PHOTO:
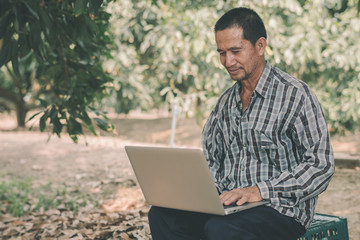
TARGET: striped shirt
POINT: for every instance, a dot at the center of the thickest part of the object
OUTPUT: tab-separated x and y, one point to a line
279	143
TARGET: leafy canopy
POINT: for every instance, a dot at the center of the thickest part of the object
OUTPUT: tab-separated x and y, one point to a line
67	39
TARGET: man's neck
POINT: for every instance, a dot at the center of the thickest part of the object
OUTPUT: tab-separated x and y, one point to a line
248	86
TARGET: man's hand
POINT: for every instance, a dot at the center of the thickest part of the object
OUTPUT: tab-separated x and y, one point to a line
241	196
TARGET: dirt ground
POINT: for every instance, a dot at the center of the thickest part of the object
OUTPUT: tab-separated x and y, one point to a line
101	167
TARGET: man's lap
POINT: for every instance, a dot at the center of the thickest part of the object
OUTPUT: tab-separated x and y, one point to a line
257	223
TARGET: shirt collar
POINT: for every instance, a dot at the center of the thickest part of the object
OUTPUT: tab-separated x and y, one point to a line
262	87
264	83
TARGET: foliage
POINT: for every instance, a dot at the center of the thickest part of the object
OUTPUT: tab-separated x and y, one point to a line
166	53
318	45
18	197
52	54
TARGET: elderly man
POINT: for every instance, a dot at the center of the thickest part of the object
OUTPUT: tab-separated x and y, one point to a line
266	139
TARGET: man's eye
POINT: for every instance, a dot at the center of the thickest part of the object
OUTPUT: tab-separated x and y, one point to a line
222	53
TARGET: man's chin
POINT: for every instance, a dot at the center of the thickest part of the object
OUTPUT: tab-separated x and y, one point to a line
237	77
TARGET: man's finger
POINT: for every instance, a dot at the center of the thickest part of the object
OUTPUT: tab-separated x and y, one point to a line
231	196
241	201
225	198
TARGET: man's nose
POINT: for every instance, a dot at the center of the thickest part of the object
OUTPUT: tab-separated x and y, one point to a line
229	60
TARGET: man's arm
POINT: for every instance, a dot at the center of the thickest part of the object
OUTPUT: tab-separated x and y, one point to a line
316	165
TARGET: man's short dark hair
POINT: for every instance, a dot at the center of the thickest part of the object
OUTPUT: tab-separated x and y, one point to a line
252	25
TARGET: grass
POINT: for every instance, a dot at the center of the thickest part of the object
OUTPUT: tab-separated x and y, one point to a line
14	196
18	197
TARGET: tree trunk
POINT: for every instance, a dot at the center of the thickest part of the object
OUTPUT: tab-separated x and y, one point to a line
20	106
17	99
21	112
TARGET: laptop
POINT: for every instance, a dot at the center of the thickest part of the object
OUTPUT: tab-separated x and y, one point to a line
178	178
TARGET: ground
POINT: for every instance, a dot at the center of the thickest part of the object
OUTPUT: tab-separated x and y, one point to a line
101	169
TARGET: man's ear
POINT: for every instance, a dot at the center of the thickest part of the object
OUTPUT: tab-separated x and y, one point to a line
261	45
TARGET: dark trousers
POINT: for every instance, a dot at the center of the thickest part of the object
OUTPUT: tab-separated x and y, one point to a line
260	223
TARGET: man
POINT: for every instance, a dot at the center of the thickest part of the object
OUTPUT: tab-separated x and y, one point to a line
266	139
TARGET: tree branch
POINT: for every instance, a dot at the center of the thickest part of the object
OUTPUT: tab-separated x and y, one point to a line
66	69
17	84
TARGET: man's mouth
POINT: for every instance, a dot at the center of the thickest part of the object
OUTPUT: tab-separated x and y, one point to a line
234	70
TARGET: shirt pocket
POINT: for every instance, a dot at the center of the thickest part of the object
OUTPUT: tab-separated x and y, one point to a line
266	142
263	148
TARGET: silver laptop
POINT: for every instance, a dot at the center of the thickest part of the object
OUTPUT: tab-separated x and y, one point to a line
178	178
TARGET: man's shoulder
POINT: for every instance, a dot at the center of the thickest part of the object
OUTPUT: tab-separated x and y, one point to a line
291	82
226	96
297	89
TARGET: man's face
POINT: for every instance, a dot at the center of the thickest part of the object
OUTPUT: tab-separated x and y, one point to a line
237	55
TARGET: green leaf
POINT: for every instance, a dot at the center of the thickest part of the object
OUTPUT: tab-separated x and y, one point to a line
74	127
35	38
53	112
74	138
92	129
94	5
80	7
33	116
103	124
15	66
16	20
85	117
24	48
4	55
42	123
45	17
92	25
31	11
43	102
14	57
57	126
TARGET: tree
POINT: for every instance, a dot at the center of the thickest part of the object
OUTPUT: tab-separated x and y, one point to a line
51	55
172	53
